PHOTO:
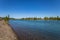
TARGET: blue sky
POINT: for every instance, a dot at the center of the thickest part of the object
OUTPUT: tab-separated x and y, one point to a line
29	8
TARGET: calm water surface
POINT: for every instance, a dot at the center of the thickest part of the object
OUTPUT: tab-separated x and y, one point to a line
36	30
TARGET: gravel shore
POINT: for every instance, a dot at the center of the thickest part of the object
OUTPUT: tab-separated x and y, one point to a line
6	32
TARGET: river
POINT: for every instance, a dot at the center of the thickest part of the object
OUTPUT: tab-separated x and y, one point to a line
36	30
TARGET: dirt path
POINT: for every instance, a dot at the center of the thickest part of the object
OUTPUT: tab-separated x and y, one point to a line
6	33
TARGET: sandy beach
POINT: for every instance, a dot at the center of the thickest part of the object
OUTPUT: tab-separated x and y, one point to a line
6	32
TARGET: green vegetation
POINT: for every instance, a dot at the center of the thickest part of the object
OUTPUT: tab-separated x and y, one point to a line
52	18
31	18
45	18
6	18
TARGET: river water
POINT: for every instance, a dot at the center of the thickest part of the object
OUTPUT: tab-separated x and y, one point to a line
36	30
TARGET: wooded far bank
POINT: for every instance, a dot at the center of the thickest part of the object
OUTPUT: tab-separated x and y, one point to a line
45	18
7	18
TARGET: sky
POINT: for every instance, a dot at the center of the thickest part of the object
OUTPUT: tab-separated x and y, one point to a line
29	8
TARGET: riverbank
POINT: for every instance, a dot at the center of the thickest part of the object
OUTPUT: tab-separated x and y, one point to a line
6	32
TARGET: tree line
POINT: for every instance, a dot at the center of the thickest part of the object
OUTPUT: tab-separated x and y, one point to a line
7	18
45	18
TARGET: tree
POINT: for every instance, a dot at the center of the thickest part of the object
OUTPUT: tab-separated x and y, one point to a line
45	18
6	18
